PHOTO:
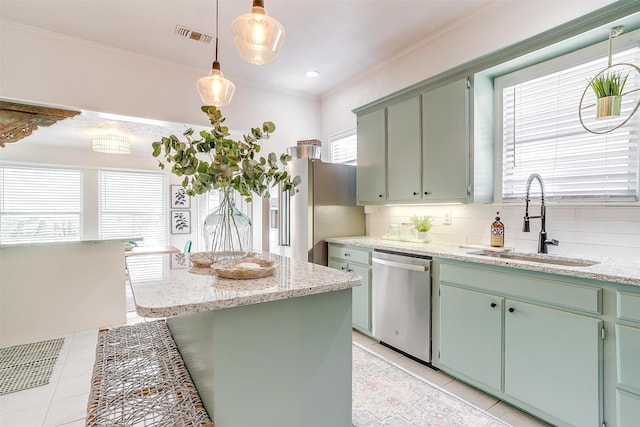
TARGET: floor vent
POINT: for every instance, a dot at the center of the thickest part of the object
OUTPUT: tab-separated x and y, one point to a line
188	33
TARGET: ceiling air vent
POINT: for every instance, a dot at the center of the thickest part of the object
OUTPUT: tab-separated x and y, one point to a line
188	33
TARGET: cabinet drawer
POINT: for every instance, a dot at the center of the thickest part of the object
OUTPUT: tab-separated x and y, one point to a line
629	306
533	287
628	349
347	253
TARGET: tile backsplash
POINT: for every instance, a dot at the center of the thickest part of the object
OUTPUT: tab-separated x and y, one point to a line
611	232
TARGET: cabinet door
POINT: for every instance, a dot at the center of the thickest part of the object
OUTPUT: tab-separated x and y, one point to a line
371	172
445	127
404	150
471	334
553	362
360	295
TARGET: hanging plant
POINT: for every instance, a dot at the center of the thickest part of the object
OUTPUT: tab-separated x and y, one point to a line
609	84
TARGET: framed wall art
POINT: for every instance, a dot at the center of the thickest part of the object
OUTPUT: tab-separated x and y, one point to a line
179	198
180	222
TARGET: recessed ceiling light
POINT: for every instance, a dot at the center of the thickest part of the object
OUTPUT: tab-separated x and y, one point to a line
312	73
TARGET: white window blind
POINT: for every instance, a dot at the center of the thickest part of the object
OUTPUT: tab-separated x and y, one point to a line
344	147
133	205
541	133
40	204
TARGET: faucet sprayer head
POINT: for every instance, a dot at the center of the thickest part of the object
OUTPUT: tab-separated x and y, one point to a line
525	226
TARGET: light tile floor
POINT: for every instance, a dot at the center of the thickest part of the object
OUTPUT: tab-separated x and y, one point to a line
63	401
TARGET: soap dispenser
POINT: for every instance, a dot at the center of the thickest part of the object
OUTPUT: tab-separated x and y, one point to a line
497	233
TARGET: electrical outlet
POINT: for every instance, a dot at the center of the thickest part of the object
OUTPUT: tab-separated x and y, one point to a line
447	218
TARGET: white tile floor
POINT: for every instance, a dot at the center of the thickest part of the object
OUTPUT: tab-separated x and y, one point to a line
63	401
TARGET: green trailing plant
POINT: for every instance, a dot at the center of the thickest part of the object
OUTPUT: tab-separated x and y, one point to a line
609	84
215	161
421	223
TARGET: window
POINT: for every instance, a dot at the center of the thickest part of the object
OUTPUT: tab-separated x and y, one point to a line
344	147
541	131
133	205
40	204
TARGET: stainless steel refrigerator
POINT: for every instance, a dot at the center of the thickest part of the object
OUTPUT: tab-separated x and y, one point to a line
325	206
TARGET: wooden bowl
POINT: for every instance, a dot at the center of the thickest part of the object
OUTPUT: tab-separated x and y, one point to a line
200	259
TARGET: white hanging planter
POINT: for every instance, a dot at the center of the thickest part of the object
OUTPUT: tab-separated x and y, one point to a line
608	107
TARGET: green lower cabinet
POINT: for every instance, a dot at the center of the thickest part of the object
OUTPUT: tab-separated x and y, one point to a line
355	260
628	409
553	362
362	299
628	375
471	334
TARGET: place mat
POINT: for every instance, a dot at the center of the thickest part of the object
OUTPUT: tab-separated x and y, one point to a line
139	379
28	365
386	395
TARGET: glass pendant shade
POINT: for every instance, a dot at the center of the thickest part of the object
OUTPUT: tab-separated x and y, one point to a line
214	89
258	37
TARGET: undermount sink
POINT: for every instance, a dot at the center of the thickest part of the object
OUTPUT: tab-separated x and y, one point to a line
538	258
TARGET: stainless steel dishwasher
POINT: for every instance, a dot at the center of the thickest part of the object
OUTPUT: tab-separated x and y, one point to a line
401	302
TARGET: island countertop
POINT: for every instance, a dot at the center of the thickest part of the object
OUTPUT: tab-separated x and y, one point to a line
181	291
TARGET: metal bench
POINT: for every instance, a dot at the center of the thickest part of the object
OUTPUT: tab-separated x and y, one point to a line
139	379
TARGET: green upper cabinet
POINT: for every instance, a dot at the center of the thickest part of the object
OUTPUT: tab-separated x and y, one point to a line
404	141
445	139
423	139
371	171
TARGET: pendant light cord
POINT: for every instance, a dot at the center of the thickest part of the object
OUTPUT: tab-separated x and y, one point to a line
216	30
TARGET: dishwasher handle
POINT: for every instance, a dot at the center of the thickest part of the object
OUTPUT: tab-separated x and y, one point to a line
402	265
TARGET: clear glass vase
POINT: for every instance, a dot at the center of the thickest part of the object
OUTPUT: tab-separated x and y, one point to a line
227	230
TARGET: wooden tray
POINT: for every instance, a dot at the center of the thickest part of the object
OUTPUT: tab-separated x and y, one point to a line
246	268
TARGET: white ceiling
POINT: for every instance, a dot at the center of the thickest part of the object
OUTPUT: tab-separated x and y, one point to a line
338	38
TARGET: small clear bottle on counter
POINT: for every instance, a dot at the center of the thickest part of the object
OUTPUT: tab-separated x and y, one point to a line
497	233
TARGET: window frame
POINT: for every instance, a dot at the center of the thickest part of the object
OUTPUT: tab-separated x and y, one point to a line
80	212
532	71
344	135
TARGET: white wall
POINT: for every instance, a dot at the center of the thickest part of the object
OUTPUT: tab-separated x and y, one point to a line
500	24
48	68
582	230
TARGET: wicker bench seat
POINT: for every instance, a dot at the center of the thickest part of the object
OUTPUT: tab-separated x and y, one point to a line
139	379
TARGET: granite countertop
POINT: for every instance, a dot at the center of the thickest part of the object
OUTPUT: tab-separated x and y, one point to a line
68	242
184	292
605	270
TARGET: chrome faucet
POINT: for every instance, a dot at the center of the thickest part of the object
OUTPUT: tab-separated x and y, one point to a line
542	241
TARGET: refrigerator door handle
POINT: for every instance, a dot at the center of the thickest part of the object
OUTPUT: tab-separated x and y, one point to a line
284	206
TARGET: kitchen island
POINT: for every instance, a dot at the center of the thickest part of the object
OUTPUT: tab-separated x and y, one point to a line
55	288
274	351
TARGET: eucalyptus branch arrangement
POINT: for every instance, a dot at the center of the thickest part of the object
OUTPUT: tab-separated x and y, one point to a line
215	161
609	84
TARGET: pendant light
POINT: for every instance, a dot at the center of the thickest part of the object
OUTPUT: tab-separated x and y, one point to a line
215	89
257	36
